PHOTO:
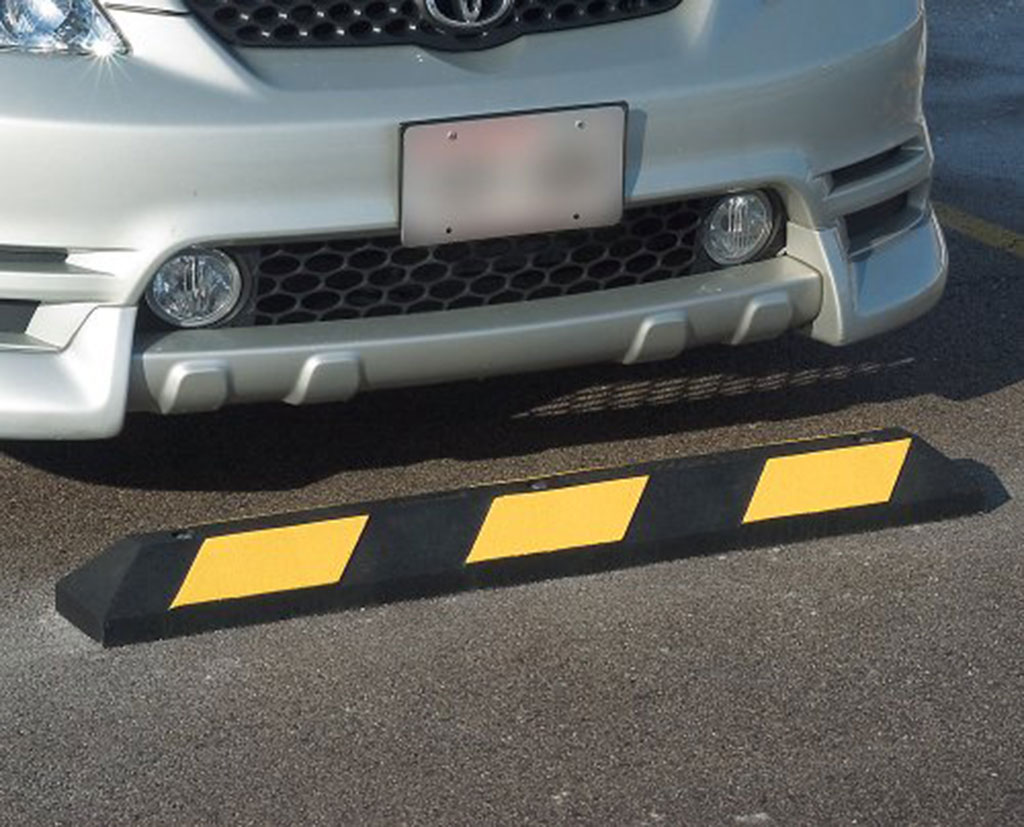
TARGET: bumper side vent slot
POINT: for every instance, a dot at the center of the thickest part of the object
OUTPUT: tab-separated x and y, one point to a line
32	255
15	316
867	168
877	165
867	227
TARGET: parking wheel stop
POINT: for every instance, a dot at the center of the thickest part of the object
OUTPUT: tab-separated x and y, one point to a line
166	584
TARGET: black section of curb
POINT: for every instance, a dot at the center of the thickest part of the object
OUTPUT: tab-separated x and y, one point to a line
416	547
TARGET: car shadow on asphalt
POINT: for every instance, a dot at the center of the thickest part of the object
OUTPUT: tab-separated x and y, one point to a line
972	345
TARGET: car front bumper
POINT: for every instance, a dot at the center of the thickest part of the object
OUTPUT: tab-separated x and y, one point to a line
121	163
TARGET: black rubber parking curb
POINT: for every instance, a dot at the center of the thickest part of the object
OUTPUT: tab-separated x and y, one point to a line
172	583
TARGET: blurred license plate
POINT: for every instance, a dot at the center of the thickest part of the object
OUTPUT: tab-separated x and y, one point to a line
511	175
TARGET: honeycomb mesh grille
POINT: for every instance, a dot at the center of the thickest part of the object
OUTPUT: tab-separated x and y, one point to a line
314	23
376	276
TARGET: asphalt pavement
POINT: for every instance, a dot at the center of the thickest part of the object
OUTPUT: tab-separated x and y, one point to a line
875	679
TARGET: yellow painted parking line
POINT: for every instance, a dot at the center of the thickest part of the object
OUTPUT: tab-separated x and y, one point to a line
271	560
825	481
543	521
980	230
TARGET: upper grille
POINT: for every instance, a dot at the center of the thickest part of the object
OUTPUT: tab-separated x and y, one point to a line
305	23
377	276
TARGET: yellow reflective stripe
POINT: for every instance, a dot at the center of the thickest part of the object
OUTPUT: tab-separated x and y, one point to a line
544	521
828	480
271	560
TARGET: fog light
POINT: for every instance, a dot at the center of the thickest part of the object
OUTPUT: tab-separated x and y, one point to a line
197	288
739	228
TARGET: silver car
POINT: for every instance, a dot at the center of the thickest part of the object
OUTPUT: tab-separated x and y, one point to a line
208	202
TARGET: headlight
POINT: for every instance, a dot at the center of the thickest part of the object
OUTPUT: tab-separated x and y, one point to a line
63	26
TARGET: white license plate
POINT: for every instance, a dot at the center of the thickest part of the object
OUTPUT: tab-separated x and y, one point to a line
512	175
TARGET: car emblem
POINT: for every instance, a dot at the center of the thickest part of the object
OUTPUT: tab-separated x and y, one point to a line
468	15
